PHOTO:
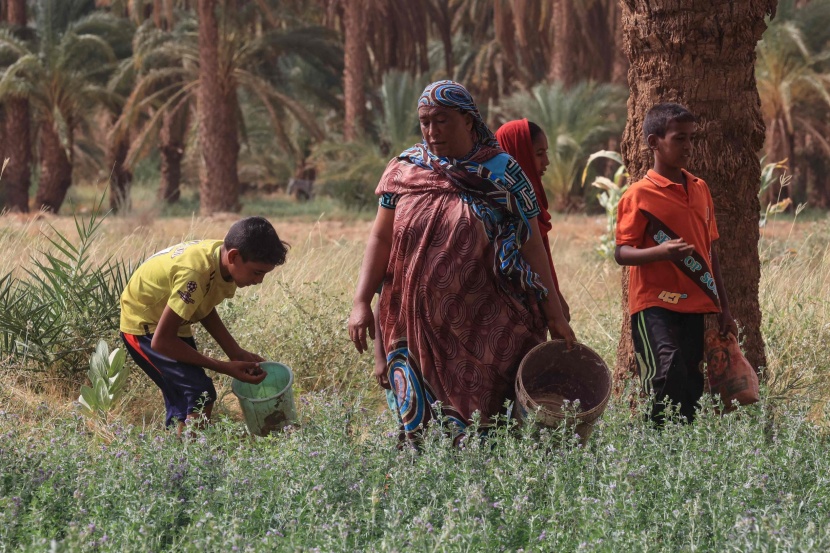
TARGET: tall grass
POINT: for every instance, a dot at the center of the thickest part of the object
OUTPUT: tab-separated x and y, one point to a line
795	301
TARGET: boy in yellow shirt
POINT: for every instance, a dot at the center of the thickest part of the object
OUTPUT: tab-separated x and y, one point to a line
182	285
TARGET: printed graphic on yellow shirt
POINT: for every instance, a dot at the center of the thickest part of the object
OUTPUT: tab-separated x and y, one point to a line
186	296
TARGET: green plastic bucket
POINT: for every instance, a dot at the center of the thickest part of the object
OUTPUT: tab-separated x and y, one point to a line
269	405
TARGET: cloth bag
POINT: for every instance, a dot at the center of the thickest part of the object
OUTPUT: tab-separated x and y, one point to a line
728	373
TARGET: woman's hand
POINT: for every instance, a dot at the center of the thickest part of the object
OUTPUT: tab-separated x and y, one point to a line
566	309
372	272
380	374
559	328
361	320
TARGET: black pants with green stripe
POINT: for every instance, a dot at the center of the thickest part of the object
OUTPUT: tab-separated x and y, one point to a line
669	349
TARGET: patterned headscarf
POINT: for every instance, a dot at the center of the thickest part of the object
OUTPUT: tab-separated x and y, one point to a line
498	209
450	94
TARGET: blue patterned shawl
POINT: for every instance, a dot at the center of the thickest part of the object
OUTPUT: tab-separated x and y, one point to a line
496	207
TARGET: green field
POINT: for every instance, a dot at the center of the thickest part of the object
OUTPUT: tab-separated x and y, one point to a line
756	480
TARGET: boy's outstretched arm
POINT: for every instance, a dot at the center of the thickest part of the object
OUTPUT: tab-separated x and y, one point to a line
166	342
725	320
216	327
669	250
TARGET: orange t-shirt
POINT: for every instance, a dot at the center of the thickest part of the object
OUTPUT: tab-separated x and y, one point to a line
690	216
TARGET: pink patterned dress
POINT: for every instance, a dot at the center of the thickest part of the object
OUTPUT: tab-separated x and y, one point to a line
459	307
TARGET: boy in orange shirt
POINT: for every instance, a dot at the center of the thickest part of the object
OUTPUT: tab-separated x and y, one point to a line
665	231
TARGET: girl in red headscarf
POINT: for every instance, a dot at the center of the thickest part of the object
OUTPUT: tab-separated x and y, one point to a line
527	143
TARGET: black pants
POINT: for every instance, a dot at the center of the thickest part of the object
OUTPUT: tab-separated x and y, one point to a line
669	349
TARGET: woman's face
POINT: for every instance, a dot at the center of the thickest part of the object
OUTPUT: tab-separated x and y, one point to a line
447	132
540	153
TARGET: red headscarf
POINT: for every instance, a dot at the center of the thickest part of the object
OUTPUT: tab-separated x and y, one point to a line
514	138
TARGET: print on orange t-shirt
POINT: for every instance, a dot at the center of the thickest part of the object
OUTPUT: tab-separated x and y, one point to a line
691	215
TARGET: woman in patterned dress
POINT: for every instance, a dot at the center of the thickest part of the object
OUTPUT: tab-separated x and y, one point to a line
457	248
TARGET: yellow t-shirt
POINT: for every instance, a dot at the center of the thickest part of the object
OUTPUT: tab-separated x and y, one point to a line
186	277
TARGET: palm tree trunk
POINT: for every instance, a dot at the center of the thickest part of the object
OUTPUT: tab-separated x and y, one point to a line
172	135
120	178
817	175
355	63
702	54
444	22
218	127
18	173
562	66
55	170
619	70
19	151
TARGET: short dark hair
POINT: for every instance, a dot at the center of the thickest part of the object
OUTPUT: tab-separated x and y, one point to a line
257	241
659	116
535	130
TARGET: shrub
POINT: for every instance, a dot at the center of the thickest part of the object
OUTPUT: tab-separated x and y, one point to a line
108	375
53	319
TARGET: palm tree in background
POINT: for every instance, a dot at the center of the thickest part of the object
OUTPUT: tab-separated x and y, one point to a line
148	16
586	42
500	46
349	171
18	173
794	85
577	121
63	74
272	68
393	34
158	107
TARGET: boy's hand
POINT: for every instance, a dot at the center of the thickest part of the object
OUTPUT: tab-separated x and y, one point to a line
675	250
246	371
727	323
244	355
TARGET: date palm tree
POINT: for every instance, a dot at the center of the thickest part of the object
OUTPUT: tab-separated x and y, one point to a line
702	55
63	74
577	121
794	84
393	34
258	66
17	175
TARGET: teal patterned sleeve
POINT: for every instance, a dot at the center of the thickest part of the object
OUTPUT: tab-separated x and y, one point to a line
520	187
389	200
